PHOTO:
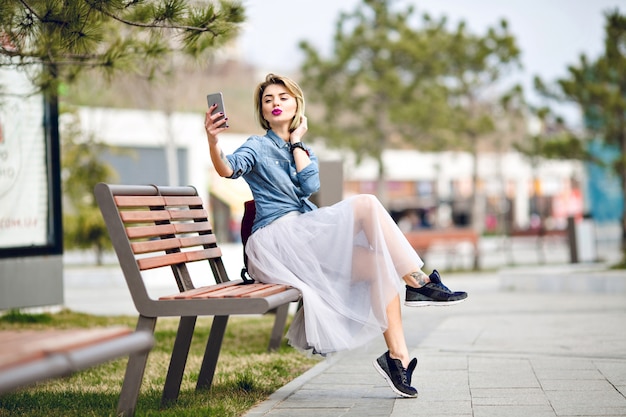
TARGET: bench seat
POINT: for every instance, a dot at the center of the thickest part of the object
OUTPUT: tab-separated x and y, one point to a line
30	356
423	240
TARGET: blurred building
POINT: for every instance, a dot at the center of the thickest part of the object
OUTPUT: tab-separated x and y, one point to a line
423	189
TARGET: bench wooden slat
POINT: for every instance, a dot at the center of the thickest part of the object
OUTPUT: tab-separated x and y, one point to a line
19	347
138	200
152	201
183	200
246	290
198	255
188	214
194	227
264	292
83	337
144	216
140	232
155	245
162	260
238	291
219	293
200	290
189	241
178	258
165	244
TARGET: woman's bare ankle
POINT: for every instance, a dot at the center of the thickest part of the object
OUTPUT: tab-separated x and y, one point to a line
416	279
404	358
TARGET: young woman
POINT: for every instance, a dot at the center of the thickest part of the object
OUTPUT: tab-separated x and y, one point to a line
350	260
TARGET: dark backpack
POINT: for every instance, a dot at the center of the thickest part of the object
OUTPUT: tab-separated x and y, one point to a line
249	212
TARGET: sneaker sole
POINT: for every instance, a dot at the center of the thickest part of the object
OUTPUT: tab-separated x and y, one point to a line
390	383
432	303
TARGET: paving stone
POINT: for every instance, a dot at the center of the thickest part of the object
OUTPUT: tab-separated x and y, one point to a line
584	385
513	411
424	407
509	396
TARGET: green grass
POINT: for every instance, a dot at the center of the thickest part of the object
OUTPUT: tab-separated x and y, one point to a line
246	373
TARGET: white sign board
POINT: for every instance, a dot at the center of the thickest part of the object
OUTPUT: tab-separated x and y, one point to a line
24	180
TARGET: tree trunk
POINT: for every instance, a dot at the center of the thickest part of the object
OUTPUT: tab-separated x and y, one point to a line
477	221
622	175
99	255
381	186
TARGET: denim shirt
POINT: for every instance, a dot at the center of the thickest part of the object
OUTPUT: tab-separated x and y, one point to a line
267	165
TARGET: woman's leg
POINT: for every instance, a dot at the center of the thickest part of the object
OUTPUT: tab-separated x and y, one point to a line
369	214
416	279
394	365
394	335
384	236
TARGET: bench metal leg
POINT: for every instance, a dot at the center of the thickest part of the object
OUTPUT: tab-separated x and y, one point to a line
476	258
178	360
279	326
134	372
212	352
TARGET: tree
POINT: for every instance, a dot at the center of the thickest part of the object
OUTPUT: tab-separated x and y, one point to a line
376	90
476	64
598	88
82	168
390	83
54	40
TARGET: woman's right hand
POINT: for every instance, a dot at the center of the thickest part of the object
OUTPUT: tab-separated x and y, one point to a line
213	126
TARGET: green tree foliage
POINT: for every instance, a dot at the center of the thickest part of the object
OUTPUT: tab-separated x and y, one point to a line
395	80
376	89
53	41
82	168
476	66
598	87
57	39
552	139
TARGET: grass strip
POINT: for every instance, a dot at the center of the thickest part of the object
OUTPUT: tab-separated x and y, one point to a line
246	373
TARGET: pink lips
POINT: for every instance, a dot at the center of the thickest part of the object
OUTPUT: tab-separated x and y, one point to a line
276	112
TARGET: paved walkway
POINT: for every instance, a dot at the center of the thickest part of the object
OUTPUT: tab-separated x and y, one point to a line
530	352
529	341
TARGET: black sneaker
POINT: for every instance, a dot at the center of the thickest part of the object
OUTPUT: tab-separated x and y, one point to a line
409	371
433	294
398	378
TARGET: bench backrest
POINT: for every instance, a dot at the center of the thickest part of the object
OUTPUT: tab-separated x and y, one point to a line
154	227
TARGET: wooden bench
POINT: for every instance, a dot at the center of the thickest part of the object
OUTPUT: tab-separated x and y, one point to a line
30	356
167	227
541	238
423	240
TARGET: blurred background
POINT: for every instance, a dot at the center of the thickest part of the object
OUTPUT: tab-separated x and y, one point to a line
493	132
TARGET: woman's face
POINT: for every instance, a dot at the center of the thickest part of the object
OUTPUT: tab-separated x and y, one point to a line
278	105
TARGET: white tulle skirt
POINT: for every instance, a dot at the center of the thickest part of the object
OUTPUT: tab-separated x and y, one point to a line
347	260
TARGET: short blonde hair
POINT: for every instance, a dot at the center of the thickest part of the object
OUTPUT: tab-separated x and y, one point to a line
292	87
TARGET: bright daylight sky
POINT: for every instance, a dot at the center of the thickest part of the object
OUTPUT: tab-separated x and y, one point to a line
550	33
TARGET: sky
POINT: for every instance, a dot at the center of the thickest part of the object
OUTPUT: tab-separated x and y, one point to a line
551	34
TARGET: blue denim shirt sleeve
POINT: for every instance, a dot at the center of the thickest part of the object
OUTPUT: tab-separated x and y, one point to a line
243	159
309	177
267	165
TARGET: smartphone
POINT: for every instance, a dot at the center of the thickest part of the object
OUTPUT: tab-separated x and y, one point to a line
217	98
